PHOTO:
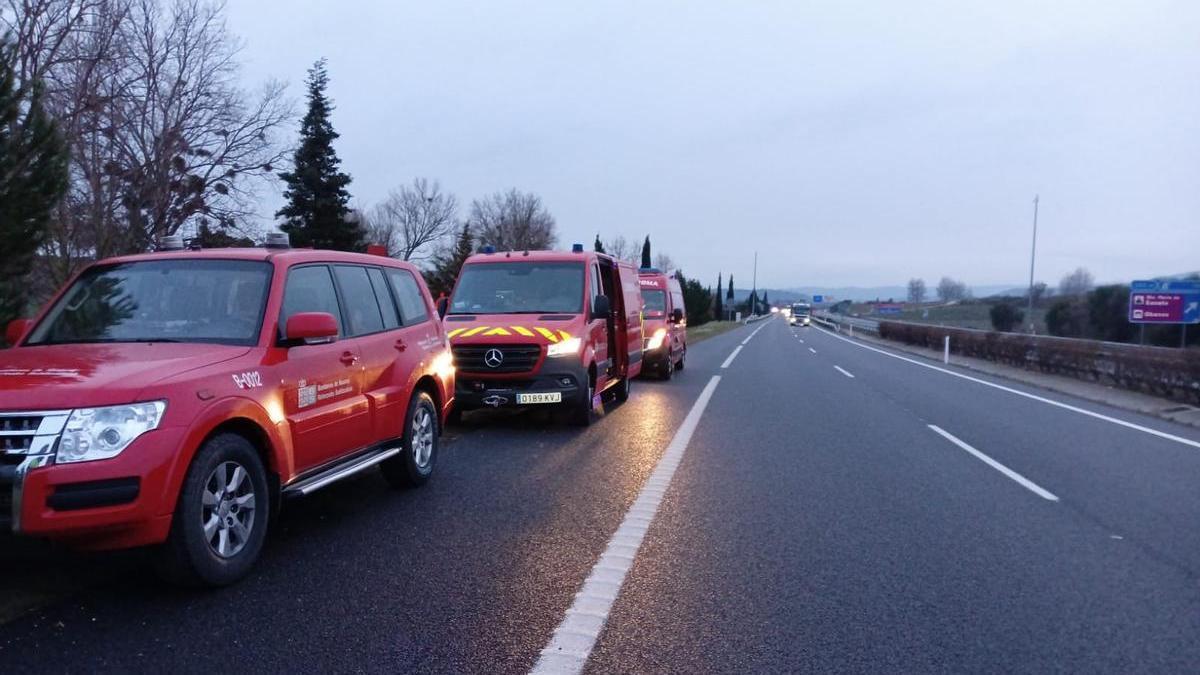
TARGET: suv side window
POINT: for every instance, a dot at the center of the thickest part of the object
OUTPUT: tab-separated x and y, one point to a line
310	289
390	318
362	310
413	309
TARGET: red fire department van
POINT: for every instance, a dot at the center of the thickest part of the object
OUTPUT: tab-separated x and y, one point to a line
176	397
666	323
544	328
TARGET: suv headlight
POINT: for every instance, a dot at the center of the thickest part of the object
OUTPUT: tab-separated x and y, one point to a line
102	433
564	348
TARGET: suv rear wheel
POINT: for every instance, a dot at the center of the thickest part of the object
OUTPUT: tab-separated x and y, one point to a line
221	518
414	465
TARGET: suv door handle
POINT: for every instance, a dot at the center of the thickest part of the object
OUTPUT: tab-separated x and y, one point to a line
349	358
400	344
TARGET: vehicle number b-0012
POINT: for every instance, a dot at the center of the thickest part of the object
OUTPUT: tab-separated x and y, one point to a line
250	380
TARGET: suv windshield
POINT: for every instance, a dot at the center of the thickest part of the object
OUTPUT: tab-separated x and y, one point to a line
217	301
519	288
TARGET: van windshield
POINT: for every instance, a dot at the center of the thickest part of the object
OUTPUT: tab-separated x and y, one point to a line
519	288
656	302
214	301
801	310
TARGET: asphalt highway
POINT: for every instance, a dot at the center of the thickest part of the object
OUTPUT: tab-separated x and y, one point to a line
792	501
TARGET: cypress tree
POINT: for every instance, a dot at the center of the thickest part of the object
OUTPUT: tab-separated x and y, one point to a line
766	306
729	295
719	310
317	212
646	261
33	178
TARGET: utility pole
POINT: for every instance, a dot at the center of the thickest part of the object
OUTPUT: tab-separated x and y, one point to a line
1032	257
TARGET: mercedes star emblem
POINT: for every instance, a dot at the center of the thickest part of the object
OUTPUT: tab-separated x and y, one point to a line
493	358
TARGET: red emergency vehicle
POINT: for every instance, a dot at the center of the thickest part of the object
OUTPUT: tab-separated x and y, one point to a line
176	397
666	322
544	328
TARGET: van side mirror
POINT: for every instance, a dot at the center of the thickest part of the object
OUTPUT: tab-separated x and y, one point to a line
311	328
16	330
601	307
443	306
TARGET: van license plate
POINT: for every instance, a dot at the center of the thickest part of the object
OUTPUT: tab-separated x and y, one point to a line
552	397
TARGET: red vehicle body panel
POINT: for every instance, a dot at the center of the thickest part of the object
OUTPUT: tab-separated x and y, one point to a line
206	389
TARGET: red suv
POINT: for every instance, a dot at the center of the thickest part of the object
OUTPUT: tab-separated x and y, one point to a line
176	397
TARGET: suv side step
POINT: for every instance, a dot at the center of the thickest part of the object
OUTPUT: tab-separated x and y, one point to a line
339	471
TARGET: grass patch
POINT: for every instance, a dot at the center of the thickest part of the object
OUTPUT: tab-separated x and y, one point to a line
698	333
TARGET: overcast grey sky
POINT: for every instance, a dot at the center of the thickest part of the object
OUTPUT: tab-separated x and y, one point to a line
851	143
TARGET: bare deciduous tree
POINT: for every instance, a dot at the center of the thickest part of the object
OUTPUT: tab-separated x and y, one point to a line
1076	283
916	291
663	262
161	134
412	218
623	249
950	290
513	221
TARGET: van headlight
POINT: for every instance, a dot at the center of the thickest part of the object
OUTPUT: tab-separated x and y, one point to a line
564	348
656	340
102	433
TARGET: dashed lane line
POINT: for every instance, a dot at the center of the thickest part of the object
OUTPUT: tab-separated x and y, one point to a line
1021	480
732	356
843	371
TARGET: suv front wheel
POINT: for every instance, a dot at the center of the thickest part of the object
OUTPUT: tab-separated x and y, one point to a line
221	518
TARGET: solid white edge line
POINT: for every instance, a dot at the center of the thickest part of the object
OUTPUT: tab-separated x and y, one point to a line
843	371
573	640
1022	480
731	357
1035	397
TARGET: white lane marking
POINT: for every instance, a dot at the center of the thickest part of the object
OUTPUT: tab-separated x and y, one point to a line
1022	480
812	350
574	639
751	336
731	357
800	339
843	371
1035	397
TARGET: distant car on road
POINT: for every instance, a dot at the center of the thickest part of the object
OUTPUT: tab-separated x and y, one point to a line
534	328
665	329
175	398
801	314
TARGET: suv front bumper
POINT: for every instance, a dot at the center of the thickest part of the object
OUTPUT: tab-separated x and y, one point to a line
120	502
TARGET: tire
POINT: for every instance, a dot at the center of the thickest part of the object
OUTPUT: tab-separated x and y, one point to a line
221	516
583	413
682	358
621	392
667	369
418	455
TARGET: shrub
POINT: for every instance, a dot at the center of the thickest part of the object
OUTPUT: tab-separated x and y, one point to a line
1005	317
